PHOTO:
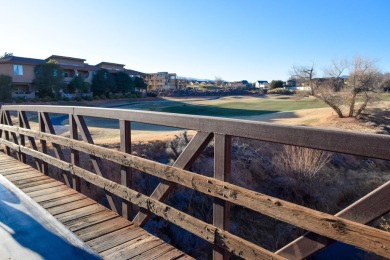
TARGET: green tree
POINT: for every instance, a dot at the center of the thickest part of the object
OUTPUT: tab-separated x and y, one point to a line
103	83
139	83
6	54
77	84
123	83
5	87
48	79
276	84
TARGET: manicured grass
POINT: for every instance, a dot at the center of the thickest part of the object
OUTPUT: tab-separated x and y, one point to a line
239	108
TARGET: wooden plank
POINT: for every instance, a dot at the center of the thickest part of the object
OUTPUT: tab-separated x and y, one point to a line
126	172
369	145
192	151
61	200
25	175
365	210
77	213
114	253
96	161
34	183
173	254
41	187
70	206
22	138
9	122
45	191
102	228
90	220
115	238
54	195
43	147
16	169
31	140
154	252
222	171
57	148
74	154
30	180
134	249
145	249
324	224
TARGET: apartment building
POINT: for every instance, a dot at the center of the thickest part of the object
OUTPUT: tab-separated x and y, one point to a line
21	70
161	81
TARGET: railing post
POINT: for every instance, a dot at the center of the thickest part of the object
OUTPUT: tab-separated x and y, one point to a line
43	148
126	172
22	138
222	171
74	154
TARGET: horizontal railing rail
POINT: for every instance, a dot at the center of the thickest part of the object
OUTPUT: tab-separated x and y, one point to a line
344	227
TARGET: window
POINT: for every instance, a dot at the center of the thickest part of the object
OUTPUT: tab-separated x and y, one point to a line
18	70
55	73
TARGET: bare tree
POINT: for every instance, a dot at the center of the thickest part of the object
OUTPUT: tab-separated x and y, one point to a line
337	91
218	81
304	75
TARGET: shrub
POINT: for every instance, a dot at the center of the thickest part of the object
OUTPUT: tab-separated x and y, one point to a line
77	99
303	163
281	91
88	98
151	94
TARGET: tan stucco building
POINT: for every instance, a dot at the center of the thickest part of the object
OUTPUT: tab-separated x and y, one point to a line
21	70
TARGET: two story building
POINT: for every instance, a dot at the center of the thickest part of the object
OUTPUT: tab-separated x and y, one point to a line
161	81
21	70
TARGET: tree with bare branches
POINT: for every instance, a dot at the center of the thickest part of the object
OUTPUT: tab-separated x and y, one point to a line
340	92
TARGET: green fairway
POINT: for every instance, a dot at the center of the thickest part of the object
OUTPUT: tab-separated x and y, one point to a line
242	108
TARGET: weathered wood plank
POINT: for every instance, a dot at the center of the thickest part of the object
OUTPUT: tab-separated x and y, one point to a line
222	171
77	213
90	220
184	161
61	200
374	146
41	187
54	195
154	253
70	206
31	140
134	250
22	139
365	210
74	154
23	176
96	161
43	146
57	148
126	172
102	228
114	253
115	238
34	183
30	180
45	191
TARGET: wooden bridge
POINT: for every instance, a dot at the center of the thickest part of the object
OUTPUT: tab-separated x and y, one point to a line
115	233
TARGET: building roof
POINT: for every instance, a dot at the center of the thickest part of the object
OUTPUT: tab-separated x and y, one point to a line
21	60
262	81
64	57
134	72
109	63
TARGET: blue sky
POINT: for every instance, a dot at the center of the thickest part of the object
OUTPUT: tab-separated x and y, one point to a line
232	39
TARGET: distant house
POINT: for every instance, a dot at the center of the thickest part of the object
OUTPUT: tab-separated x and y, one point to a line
291	84
262	84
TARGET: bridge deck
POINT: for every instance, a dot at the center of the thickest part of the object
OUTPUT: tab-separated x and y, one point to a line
107	233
